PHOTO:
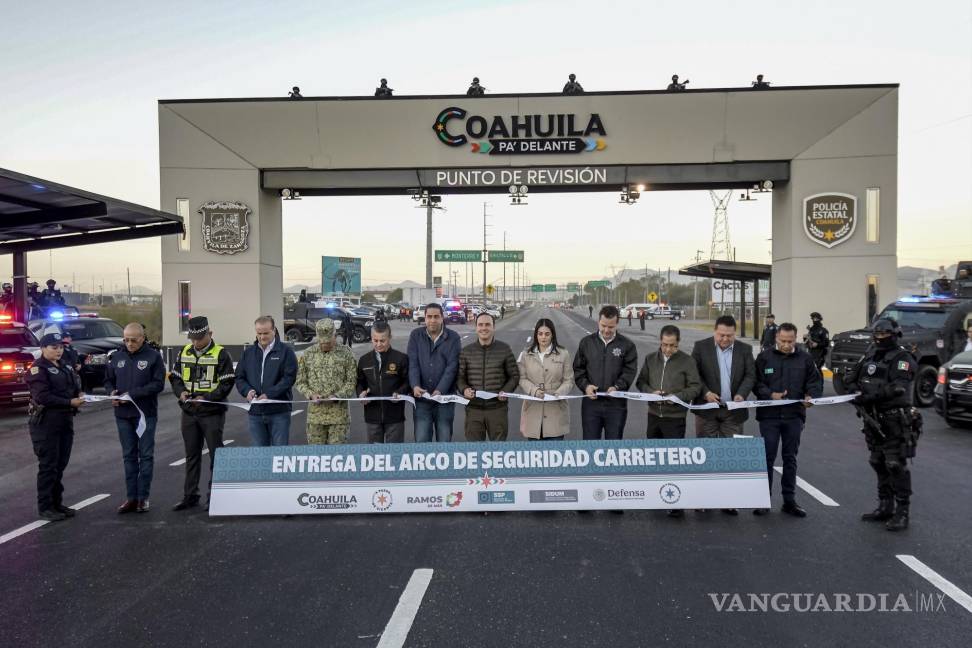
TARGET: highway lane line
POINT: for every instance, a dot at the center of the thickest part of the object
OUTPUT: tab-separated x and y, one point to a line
296	412
205	451
937	580
811	490
404	615
36	524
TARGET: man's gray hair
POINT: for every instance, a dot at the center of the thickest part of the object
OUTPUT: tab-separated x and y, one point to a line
138	325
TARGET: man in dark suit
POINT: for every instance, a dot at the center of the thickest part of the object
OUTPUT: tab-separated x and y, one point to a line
728	372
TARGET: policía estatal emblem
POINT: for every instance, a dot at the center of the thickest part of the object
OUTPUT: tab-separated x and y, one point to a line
141	364
871	369
225	226
829	218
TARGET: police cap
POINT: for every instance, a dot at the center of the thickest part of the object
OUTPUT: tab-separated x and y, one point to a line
51	339
198	327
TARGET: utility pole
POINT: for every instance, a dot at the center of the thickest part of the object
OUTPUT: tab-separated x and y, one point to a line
695	287
484	251
504	268
428	244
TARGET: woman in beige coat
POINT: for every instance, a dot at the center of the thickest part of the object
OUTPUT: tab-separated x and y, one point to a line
545	368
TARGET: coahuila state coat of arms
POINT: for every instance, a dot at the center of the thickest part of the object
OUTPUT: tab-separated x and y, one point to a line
225	226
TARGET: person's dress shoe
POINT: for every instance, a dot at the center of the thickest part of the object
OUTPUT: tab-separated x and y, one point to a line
52	515
184	504
67	511
128	507
730	511
143	506
760	511
676	513
794	509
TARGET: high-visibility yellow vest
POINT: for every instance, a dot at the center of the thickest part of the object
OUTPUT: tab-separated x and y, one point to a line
199	372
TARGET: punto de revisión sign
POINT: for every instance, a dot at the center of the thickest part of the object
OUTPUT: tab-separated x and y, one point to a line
520	134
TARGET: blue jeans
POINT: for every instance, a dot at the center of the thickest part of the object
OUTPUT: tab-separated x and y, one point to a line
788	431
429	415
270	429
138	454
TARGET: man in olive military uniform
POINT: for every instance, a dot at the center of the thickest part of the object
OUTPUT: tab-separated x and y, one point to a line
203	371
885	377
55	396
327	370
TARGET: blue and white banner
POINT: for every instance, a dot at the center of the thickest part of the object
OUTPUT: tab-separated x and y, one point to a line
508	476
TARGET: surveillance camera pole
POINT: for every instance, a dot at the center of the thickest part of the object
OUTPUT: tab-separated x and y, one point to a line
428	245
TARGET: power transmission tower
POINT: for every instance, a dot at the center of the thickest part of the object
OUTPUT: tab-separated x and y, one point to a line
721	247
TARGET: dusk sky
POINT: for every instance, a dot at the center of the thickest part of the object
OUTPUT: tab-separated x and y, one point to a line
81	83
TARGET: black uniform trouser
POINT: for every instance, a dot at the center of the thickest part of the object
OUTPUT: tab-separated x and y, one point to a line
665	427
52	439
889	459
195	430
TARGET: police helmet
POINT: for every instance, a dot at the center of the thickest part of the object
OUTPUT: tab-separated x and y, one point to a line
51	282
815	315
887	325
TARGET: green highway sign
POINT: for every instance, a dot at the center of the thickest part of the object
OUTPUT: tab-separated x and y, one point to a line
459	255
505	256
603	283
536	288
550	288
573	287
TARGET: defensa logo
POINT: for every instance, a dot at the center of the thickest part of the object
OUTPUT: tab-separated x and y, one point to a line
520	134
330	501
829	218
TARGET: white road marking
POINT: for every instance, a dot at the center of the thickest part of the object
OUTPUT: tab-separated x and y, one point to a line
205	452
404	615
529	337
296	412
36	524
811	490
937	580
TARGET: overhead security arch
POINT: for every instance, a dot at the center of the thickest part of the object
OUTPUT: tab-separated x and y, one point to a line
809	141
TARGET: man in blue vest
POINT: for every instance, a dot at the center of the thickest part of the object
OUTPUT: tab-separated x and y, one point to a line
138	371
203	371
267	371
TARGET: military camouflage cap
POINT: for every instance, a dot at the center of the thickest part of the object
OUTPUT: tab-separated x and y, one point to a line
325	329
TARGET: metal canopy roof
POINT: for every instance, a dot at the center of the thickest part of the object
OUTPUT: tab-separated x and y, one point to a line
732	270
36	214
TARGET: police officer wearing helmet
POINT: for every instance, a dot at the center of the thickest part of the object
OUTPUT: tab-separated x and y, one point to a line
817	339
55	396
885	377
204	371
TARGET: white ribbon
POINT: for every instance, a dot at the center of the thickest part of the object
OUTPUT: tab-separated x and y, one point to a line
140	428
271	401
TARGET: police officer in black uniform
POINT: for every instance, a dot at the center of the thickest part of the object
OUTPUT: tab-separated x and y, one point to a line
51	296
71	356
885	377
817	339
7	298
55	396
768	339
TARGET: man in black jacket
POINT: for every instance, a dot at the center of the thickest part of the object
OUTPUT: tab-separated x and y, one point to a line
487	365
785	372
606	361
267	371
768	339
817	339
383	373
728	374
203	371
138	371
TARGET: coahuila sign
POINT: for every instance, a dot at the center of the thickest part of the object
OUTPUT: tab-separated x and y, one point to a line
829	218
521	134
634	473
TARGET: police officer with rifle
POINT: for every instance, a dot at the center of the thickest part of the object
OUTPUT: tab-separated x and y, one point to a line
885	379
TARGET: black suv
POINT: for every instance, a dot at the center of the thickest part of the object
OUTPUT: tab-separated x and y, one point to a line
953	394
300	321
934	331
18	350
93	337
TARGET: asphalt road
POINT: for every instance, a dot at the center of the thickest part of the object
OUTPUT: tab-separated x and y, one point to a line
503	579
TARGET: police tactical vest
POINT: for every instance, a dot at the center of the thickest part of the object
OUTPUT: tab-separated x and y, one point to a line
199	372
